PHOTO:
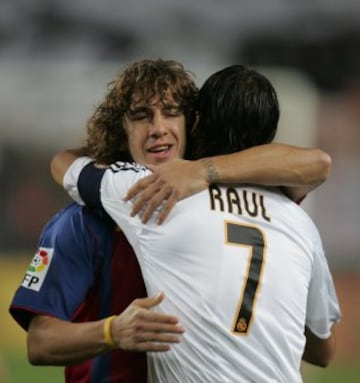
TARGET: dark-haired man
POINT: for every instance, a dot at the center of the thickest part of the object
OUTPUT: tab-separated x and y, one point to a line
241	266
145	117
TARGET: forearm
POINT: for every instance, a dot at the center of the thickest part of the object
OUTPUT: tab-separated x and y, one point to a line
298	169
51	341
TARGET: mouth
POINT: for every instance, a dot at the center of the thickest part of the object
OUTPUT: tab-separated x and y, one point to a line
160	149
160	152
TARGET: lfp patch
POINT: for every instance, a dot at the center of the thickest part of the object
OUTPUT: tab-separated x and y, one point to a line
38	268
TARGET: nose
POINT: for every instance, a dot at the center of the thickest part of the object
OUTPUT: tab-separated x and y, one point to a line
157	127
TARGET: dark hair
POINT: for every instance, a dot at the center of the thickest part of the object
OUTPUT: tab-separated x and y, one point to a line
107	140
238	109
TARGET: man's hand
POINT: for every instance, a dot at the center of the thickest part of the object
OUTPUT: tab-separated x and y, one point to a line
139	329
168	184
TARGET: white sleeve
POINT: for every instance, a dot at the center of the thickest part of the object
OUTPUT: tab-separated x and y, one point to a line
322	307
71	177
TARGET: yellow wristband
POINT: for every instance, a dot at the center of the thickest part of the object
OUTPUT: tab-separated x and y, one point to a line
107	331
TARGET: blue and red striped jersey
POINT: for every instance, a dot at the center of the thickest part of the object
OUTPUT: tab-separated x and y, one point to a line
83	270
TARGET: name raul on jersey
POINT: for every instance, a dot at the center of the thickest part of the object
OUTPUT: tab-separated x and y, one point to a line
238	202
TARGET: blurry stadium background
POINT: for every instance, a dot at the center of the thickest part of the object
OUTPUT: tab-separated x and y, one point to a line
57	57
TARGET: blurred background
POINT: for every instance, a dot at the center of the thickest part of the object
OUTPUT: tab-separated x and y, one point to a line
57	56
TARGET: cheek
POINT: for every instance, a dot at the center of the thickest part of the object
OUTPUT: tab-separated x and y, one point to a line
182	134
129	133
135	143
132	143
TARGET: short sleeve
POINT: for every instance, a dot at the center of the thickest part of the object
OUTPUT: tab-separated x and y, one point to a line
63	269
322	307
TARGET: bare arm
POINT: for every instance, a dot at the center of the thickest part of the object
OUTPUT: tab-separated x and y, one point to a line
52	341
319	352
298	170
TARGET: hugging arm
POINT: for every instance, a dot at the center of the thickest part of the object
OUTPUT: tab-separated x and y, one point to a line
297	170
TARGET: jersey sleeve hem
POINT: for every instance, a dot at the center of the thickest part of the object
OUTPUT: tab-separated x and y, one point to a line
23	315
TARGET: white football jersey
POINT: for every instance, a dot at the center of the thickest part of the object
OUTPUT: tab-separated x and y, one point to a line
242	267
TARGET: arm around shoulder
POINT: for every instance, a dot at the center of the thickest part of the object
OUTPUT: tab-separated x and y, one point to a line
313	171
299	170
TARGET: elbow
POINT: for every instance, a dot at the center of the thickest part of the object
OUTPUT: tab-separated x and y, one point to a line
323	163
35	361
36	358
322	361
37	352
328	355
56	168
319	352
53	167
38	355
325	359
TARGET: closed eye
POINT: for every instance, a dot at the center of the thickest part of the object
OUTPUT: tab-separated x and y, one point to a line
172	112
138	114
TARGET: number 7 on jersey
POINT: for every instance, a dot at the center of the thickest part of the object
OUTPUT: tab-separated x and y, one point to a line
253	238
